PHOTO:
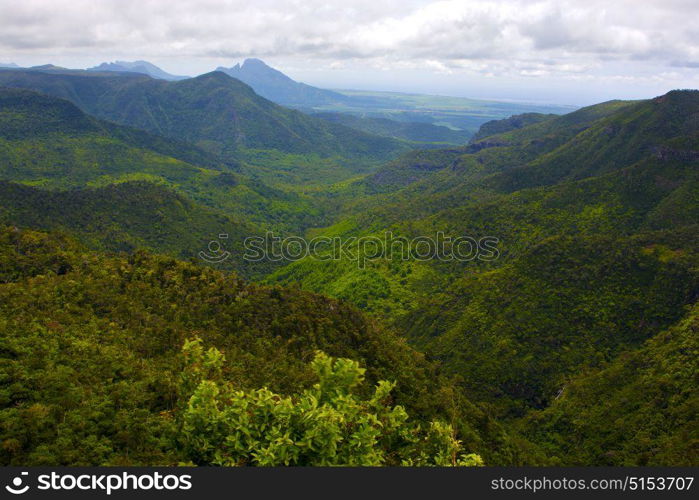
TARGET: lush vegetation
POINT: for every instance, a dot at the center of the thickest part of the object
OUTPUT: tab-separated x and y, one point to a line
596	216
639	410
215	112
576	345
49	143
91	371
325	425
128	216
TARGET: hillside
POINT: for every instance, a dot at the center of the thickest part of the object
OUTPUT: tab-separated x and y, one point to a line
459	191
27	115
128	216
450	177
443	178
662	127
48	142
646	418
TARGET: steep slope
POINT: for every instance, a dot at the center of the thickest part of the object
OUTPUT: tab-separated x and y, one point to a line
518	333
443	178
128	216
277	87
663	127
26	115
638	410
535	155
517	146
456	194
49	141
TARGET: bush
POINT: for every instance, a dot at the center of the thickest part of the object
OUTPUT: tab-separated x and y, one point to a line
323	426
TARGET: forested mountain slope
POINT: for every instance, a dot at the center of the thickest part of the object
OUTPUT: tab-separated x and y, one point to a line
91	365
640	409
462	191
128	216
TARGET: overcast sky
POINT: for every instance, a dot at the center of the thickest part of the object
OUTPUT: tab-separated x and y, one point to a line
562	51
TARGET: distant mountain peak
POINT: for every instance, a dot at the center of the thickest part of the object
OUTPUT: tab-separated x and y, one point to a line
140	66
219	77
257	63
278	87
254	61
8	65
254	68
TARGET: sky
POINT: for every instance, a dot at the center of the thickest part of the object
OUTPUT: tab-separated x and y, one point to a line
555	51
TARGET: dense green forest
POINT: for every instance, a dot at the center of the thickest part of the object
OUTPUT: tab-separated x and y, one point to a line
575	345
48	142
92	370
596	216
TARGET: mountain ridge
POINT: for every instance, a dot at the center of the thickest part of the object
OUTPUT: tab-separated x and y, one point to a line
136	67
50	143
213	111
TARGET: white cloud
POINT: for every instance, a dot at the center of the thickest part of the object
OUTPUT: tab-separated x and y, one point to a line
507	38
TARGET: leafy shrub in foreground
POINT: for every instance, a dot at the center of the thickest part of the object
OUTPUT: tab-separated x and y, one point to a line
323	426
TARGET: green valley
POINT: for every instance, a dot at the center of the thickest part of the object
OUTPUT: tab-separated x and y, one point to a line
573	342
